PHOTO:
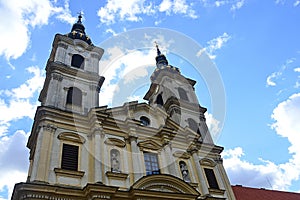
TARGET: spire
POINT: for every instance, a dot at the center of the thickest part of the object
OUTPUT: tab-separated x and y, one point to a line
161	59
78	31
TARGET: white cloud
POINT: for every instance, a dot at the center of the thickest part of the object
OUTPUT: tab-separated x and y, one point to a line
297	3
165	6
16	102
124	10
134	98
132	10
124	69
270	78
111	31
237	5
177	7
297	69
20	17
213	45
268	174
234	4
213	126
13	160
297	84
274	77
27	89
286	116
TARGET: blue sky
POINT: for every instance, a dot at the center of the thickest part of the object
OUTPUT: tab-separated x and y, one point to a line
254	51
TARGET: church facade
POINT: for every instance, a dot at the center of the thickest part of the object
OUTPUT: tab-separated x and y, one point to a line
156	150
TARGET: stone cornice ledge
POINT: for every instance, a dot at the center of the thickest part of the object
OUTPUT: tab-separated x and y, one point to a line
117	175
69	173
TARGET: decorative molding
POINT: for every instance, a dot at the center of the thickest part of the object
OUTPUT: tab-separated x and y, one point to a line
57	77
149	144
62	45
181	154
115	142
95	56
216	191
116	175
72	137
207	162
69	173
49	127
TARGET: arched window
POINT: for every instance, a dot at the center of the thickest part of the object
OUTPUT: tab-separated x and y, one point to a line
184	171
159	100
77	61
74	96
115	160
193	125
182	94
145	120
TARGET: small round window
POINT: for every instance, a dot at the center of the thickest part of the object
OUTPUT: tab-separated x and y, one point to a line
145	121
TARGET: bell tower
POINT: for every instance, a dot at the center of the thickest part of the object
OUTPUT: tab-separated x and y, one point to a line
72	81
176	95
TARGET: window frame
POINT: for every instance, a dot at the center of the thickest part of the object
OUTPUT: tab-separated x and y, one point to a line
183	94
74	92
150	169
62	160
211	178
77	61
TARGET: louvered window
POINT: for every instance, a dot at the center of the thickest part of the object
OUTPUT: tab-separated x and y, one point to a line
211	178
70	157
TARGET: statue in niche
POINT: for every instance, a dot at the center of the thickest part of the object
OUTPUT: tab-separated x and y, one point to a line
184	171
115	160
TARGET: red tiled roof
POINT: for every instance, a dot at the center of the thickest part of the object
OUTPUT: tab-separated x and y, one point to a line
247	193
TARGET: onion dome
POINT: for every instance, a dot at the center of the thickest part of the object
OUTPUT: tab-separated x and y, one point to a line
78	32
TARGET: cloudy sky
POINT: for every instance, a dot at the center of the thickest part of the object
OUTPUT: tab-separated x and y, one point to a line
250	83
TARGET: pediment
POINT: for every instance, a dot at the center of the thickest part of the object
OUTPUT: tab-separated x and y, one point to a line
149	144
181	154
207	162
115	142
72	137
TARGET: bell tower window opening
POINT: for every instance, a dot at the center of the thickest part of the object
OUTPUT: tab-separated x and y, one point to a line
159	100
77	61
145	121
151	163
74	96
183	94
69	159
193	125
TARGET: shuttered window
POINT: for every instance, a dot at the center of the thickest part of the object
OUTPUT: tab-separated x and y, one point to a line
70	157
211	178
